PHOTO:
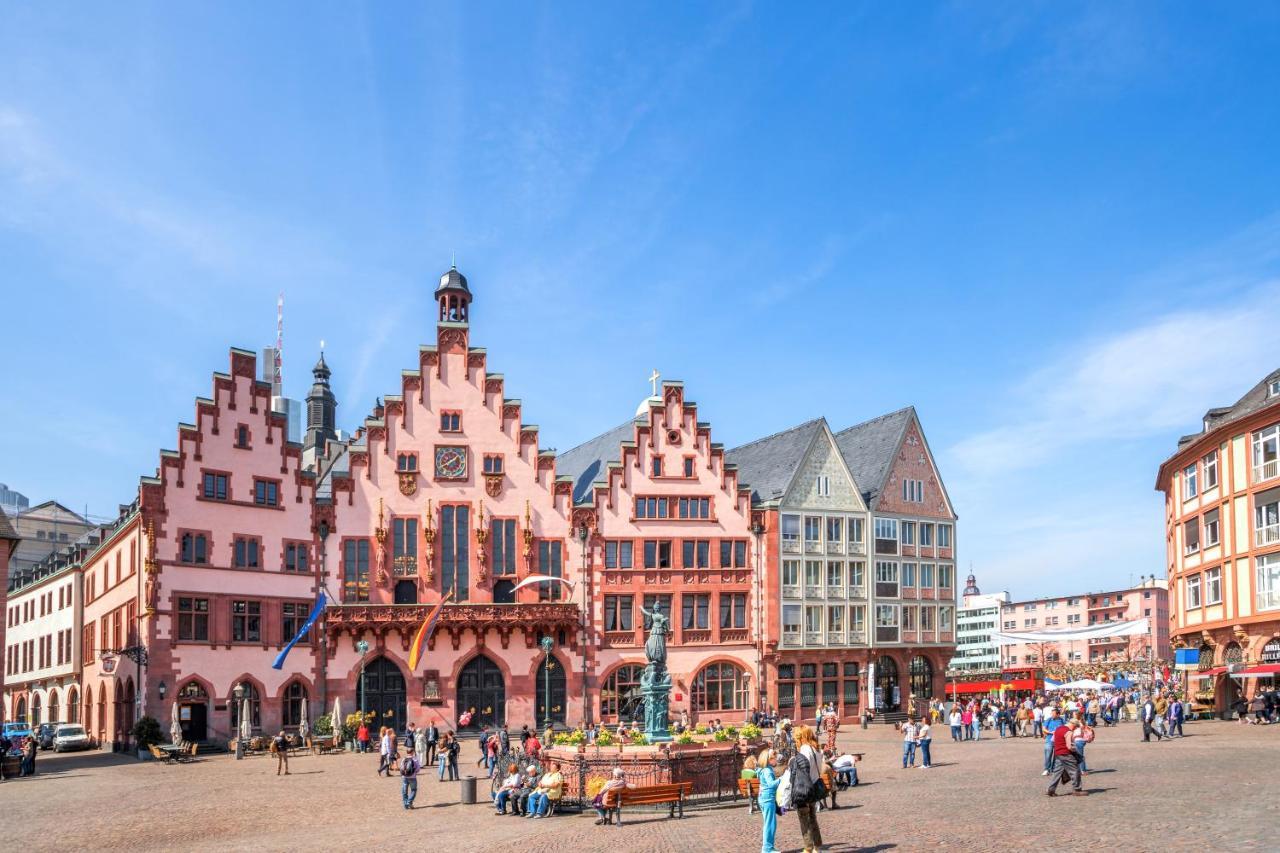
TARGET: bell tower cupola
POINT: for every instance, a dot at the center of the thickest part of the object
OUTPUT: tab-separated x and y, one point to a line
454	298
321	408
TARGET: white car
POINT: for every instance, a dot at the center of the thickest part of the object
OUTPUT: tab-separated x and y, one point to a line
70	737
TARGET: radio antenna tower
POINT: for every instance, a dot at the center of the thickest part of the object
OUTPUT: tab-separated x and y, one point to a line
278	379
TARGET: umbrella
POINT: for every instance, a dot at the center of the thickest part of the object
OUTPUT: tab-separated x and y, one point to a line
337	720
303	728
175	727
246	728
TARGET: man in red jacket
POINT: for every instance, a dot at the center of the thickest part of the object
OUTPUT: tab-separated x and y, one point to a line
1065	760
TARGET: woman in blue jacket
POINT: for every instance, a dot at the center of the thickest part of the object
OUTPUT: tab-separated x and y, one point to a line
767	773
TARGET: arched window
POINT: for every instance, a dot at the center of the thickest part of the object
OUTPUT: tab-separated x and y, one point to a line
128	706
621	691
73	706
1234	654
35	709
88	710
255	707
53	707
294	698
720	687
21	716
118	711
192	691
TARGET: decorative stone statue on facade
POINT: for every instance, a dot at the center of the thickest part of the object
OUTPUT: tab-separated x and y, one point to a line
655	683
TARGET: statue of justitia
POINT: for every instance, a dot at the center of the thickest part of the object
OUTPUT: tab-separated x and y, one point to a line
655	648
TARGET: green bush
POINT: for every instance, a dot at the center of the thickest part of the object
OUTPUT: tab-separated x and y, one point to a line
685	737
721	736
750	731
577	737
700	728
147	732
323	725
604	737
639	739
733	732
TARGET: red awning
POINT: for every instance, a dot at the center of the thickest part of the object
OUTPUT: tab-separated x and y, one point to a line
1262	671
1206	673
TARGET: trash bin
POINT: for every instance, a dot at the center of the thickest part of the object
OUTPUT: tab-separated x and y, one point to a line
468	790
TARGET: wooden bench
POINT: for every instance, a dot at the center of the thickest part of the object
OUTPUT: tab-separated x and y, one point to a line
750	788
671	793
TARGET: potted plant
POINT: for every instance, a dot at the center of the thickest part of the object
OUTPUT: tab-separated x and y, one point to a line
750	731
604	738
146	733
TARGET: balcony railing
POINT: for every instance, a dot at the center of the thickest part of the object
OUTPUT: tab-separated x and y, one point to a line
813	638
856	637
857	548
835	547
812	546
858	592
1266	471
811	591
792	638
835	638
791	592
1268	535
791	546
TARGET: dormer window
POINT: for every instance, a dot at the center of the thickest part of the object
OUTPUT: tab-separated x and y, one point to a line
1273	390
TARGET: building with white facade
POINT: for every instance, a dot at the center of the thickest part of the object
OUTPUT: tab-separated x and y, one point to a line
43	616
976	620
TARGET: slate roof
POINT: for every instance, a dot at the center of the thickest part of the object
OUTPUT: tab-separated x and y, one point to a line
769	464
868	449
6	529
1254	399
589	461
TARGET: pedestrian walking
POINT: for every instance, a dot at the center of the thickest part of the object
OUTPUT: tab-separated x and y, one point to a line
956	720
1066	762
362	737
452	751
1050	724
432	738
806	775
409	777
1148	715
384	752
280	746
924	737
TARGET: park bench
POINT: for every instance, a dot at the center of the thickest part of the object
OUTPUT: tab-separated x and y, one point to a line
672	794
750	788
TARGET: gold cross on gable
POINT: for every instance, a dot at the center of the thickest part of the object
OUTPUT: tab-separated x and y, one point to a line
653	380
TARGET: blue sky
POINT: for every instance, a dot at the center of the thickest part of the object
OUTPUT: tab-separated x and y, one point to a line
1053	228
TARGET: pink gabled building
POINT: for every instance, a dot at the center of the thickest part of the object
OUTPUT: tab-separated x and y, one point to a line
1149	600
210	571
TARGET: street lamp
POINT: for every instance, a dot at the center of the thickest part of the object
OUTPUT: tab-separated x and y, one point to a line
238	693
363	648
583	535
757	530
322	530
160	688
547	645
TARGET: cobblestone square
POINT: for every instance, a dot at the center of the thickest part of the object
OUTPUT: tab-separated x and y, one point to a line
1214	789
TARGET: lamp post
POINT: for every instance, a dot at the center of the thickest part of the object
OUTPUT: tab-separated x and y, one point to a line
322	529
757	530
547	645
363	648
583	536
239	696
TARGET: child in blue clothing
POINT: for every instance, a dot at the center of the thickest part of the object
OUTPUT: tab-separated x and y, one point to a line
767	773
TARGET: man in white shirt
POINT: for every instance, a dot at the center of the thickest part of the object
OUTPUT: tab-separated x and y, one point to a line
846	769
909	743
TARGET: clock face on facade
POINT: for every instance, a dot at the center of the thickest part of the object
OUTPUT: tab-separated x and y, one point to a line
451	463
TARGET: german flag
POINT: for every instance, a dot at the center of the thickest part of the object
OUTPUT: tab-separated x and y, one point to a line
424	633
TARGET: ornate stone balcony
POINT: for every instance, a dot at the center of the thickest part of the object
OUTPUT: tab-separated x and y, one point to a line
354	620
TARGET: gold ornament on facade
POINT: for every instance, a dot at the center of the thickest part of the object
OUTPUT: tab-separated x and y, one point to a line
493	484
527	534
150	567
429	536
408	483
380	533
482	536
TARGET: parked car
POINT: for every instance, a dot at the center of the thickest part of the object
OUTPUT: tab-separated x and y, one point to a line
17	734
69	737
44	735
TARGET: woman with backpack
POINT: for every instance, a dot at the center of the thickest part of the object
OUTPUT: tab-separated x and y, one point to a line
807	787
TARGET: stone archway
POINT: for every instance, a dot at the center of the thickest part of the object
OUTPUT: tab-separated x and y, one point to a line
888	691
550	684
382	692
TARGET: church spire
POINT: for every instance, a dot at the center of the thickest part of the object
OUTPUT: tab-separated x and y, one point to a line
321	408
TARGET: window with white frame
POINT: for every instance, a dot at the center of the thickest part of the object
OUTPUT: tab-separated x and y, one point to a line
1273	390
835	619
908	533
1210	465
887	528
1266	453
858	617
1212	533
790	572
835	530
813	575
791	528
812	529
813	618
856	571
1189	489
855	530
913	491
926	575
926	535
886	572
944	535
909	574
791	618
886	616
1266	518
824	486
1193	592
1268	581
945	618
944	576
1213	586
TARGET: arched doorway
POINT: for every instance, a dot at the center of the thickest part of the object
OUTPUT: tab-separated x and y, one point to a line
550	683
295	696
504	592
53	707
888	693
382	693
406	592
921	682
73	706
620	698
88	710
719	687
35	710
1230	692
193	712
234	707
480	686
129	699
117	710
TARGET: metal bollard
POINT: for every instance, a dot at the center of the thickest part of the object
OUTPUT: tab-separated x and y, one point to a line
468	790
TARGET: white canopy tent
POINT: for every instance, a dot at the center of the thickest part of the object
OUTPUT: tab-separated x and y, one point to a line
1066	635
1085	684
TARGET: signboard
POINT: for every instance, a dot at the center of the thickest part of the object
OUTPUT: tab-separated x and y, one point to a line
1186	658
184	712
1271	652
